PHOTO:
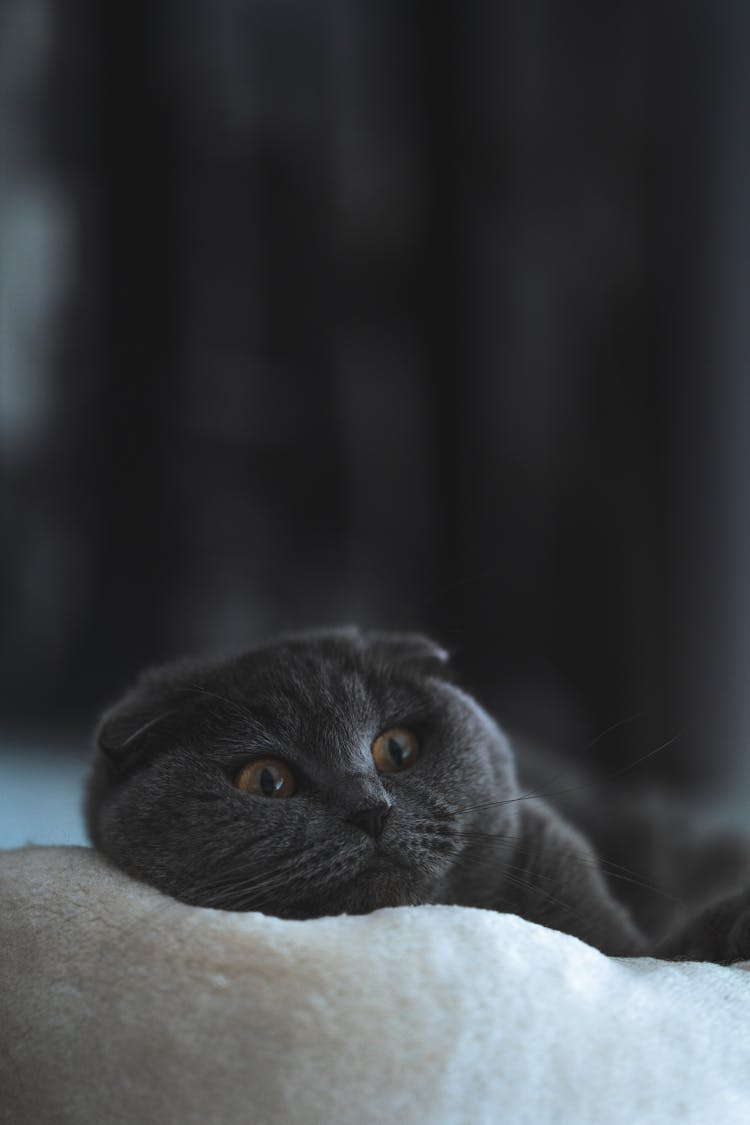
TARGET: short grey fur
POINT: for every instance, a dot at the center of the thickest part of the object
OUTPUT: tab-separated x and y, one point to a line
454	828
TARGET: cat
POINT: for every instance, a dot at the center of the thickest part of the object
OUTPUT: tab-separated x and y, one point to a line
343	771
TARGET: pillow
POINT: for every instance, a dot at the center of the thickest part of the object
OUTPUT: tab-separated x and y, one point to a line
120	1005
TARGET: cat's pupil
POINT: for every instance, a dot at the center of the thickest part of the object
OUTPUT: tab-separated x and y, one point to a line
268	782
396	750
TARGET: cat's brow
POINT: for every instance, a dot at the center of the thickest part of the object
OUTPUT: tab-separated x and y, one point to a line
255	713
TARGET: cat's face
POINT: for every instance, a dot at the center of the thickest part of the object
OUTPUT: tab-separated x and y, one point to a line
331	773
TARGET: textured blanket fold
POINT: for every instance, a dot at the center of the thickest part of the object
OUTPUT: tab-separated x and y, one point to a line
120	1005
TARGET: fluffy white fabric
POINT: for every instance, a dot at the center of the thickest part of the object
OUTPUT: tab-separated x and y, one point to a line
120	1005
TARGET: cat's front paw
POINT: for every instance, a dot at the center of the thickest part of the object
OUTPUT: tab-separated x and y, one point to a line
738	940
720	934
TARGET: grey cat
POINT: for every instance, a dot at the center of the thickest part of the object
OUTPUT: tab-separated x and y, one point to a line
340	772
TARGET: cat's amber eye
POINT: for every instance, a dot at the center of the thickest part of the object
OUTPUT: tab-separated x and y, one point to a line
395	750
268	777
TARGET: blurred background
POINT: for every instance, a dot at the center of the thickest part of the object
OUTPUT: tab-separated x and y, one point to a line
425	316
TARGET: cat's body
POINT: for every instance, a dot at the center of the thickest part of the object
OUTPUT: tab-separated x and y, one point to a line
343	772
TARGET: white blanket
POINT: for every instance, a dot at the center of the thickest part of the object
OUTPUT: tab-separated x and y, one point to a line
119	1005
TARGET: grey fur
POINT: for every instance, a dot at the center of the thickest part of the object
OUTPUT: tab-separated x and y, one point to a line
161	805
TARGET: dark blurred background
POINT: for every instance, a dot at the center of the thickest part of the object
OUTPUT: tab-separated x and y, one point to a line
418	315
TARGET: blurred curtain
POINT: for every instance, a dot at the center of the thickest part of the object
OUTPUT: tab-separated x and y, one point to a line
360	311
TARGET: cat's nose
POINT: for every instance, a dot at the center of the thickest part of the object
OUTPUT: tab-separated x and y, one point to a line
371	819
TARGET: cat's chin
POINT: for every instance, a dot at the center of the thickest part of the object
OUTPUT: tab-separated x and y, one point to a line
377	886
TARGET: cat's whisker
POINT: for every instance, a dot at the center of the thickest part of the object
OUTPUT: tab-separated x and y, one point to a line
526	884
485	805
597	862
645	757
244	896
538	794
592	784
191	686
258	897
234	883
240	885
296	867
577	755
525	880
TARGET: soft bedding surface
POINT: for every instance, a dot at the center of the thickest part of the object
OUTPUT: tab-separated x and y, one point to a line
119	1005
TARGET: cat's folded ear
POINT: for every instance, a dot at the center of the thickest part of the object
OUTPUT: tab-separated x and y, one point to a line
139	723
411	651
124	738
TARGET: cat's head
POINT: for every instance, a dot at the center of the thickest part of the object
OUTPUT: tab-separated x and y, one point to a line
327	773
